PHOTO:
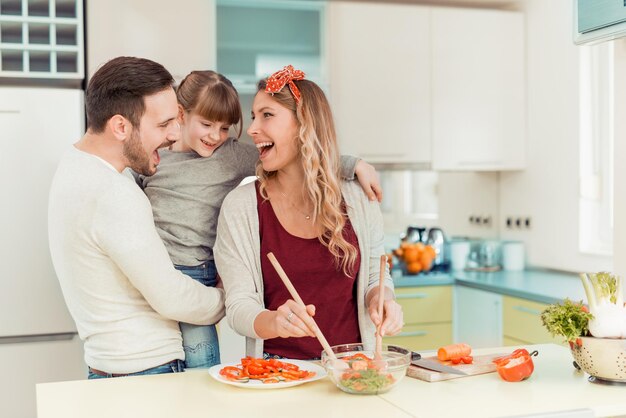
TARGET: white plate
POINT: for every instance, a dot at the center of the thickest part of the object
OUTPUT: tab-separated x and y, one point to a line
320	373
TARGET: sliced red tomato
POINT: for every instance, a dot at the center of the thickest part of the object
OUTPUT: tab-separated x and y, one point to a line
467	359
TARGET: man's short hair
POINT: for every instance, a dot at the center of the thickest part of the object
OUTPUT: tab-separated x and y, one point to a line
119	88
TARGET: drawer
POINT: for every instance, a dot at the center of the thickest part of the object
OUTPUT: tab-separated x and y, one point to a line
422	337
522	321
425	304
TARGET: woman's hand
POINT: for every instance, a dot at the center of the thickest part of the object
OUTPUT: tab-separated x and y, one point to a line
368	179
289	320
393	318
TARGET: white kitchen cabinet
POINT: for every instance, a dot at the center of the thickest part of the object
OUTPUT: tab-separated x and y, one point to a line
477	317
28	363
478	90
38	127
380	80
180	36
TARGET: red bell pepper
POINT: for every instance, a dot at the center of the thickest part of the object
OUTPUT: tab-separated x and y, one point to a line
517	366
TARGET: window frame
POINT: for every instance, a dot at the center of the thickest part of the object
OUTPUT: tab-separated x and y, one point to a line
596	149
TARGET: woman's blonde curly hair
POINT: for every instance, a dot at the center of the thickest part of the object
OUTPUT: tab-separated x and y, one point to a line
319	154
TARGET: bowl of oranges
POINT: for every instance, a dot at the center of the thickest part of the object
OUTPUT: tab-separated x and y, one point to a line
417	257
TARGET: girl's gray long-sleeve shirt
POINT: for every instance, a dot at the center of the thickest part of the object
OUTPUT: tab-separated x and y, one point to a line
187	192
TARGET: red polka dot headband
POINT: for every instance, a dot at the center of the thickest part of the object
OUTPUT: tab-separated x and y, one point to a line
277	81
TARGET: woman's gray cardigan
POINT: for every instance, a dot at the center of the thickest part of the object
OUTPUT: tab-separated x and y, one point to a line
237	256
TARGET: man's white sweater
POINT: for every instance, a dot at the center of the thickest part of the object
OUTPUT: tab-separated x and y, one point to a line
116	276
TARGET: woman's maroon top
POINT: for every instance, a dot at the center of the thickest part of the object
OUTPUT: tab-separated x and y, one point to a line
317	278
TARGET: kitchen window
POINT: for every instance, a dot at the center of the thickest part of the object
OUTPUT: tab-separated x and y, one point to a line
596	149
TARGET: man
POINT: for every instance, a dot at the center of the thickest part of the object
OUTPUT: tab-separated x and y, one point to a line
119	284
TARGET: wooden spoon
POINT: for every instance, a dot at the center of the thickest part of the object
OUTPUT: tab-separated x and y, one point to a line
381	300
337	364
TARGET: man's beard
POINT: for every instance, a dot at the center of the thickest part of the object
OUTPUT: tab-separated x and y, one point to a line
138	158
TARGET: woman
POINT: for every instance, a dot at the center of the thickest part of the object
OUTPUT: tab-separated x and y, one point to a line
326	234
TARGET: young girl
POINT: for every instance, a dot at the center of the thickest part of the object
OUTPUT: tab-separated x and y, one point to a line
325	233
193	179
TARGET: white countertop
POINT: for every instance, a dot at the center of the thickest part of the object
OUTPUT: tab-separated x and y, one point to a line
554	386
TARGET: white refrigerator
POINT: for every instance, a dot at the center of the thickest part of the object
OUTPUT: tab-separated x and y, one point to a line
38	340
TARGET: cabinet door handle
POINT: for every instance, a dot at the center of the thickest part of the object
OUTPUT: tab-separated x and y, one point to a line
412	334
16	339
412	296
527	310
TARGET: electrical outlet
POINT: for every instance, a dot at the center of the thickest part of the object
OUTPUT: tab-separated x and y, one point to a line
477	220
518	222
527	223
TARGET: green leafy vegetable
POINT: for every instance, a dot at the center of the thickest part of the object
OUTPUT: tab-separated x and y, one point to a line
569	320
366	381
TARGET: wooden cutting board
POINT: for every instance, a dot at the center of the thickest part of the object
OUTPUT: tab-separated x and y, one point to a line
482	364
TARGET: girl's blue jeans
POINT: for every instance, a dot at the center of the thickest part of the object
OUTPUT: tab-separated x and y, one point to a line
200	341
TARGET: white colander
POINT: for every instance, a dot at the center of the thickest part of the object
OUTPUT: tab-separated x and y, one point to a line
604	358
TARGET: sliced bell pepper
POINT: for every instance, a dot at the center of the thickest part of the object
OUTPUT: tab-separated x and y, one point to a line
517	366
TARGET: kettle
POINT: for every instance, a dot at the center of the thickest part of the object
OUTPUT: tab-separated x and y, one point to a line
437	239
415	234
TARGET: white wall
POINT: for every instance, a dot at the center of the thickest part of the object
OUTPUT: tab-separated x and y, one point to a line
462	195
181	36
619	230
547	190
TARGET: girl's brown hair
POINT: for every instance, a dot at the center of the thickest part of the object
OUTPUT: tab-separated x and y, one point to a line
212	96
319	154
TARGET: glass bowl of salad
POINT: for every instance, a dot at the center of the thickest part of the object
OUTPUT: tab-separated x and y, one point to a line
357	371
